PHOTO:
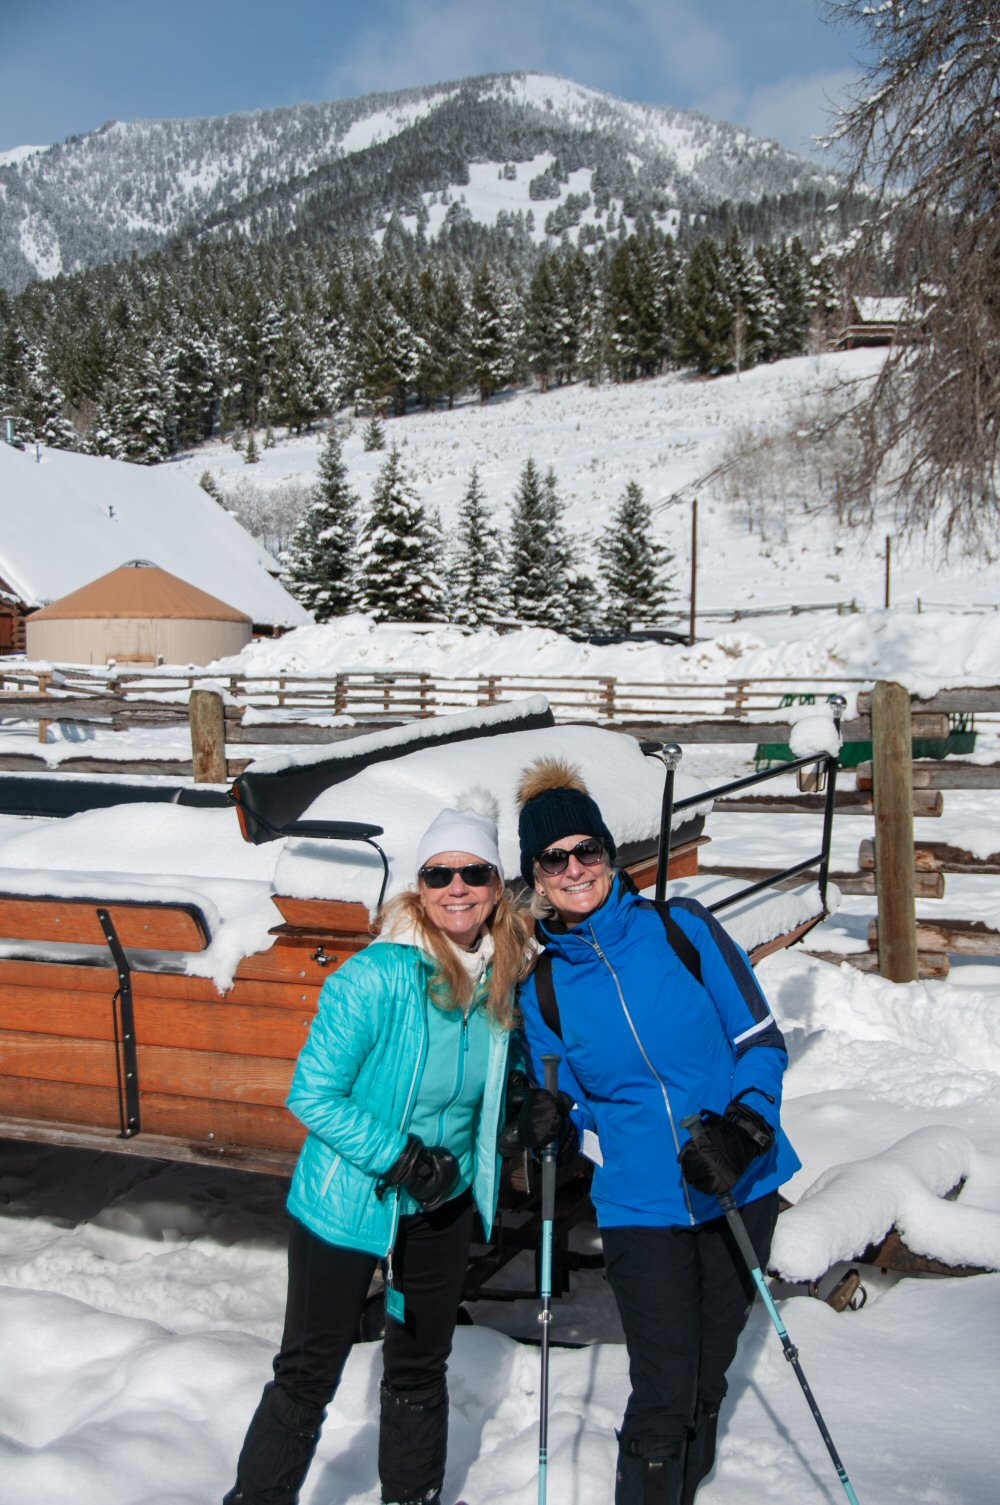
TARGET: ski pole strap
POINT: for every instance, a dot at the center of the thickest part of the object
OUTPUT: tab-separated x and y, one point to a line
550	1152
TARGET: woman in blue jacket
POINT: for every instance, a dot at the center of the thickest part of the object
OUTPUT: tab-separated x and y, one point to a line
401	1085
655	1017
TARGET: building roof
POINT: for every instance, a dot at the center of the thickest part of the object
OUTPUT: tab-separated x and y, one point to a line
70	519
140	589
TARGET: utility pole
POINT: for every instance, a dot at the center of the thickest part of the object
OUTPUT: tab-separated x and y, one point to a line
694	569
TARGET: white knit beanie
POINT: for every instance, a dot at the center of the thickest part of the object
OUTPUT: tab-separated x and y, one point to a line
470	827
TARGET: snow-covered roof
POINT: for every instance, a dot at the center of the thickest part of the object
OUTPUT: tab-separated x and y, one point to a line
880	310
140	589
68	518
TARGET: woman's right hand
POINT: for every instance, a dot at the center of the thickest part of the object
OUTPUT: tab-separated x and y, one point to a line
544	1117
428	1173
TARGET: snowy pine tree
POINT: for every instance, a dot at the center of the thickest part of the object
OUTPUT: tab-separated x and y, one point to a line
396	578
321	555
537	552
633	566
476	575
374	435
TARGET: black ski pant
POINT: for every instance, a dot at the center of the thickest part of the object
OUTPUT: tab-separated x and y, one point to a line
684	1295
327	1289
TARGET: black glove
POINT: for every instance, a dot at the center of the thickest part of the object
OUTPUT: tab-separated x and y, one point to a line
715	1162
544	1117
428	1174
518	1088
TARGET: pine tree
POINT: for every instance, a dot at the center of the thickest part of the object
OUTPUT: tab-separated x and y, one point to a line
321	555
251	456
476	576
706	332
542	324
633	565
208	483
396	578
489	332
537	552
374	436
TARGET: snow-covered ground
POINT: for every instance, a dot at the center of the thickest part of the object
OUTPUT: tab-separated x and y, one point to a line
665	433
140	1301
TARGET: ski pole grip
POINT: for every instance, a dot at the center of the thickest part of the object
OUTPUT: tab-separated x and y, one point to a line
694	1126
550	1068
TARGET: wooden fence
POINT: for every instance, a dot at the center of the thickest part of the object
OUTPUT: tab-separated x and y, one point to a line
403	694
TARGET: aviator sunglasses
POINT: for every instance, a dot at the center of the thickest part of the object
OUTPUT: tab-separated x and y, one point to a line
475	874
555	860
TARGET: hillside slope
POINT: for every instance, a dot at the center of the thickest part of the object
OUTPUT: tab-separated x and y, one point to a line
502	144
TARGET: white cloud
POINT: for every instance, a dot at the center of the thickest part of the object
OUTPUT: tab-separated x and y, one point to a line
795	110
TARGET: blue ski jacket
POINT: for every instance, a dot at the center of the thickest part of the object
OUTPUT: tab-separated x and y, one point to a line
355	1086
645	1045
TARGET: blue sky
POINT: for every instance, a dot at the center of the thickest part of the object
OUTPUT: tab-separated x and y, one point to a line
66	66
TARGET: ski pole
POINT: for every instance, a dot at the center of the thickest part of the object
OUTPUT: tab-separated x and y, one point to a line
549	1153
727	1202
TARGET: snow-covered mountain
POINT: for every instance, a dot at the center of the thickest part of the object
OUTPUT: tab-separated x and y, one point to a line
502	144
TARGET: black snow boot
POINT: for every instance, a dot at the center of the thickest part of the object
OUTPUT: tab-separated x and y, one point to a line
649	1473
699	1459
277	1450
413	1444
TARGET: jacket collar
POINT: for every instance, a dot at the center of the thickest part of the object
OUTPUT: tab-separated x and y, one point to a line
604	923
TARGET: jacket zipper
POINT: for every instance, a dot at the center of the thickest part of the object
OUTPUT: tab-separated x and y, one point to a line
642	1050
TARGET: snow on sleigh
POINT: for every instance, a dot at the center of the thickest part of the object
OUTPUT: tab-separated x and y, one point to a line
159	970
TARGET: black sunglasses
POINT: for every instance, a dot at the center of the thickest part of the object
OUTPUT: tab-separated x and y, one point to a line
475	874
556	859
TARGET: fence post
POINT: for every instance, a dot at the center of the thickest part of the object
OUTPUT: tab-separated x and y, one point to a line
208	737
892	775
609	684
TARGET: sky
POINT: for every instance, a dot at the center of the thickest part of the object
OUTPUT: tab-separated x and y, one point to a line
67	66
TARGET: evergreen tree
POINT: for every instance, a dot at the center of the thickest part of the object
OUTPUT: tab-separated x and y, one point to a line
489	332
706	332
374	435
476	576
321	555
396	578
537	552
633	566
250	456
543	332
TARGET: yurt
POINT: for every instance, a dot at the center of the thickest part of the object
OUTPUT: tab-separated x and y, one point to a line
137	614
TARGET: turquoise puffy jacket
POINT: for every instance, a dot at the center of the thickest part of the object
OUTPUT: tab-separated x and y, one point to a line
354	1088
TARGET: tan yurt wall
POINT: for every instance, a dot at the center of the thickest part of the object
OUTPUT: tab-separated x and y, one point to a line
137	640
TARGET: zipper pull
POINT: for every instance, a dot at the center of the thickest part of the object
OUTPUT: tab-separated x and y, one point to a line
465	1033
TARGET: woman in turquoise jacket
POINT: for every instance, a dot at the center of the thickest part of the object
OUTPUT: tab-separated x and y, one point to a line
401	1085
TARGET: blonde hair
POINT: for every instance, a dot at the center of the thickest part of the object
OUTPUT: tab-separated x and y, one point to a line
451	986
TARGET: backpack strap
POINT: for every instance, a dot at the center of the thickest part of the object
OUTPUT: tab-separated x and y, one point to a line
678	939
544	987
679	942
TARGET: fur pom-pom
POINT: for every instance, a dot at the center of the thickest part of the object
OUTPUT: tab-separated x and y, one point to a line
481	801
549	773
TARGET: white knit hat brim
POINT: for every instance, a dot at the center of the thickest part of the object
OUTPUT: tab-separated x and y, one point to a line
461	831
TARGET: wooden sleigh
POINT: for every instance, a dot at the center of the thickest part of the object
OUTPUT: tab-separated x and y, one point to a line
107	1040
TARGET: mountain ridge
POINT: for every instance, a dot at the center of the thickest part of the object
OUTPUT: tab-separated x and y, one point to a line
349	167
